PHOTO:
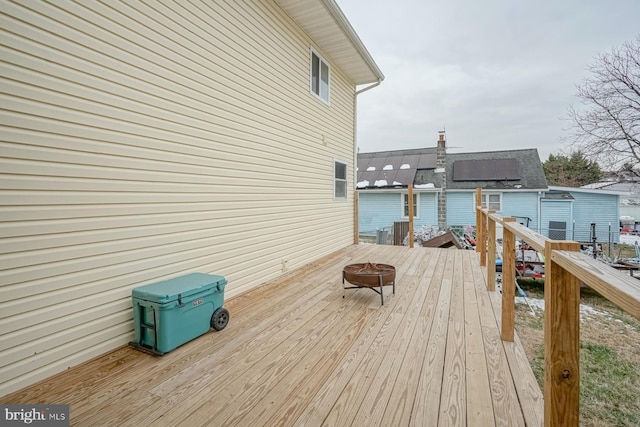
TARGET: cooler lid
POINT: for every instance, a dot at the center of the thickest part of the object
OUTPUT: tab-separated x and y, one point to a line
168	290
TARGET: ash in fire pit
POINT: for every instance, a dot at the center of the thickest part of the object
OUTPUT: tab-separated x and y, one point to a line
369	275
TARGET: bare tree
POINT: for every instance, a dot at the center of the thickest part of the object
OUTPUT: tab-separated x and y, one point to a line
607	128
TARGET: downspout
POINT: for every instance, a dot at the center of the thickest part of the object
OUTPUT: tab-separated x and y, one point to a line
356	231
371	86
539	213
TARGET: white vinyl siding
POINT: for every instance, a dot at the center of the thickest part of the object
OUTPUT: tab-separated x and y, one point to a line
141	142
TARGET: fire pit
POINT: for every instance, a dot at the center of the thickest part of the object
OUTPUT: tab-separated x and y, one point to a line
369	275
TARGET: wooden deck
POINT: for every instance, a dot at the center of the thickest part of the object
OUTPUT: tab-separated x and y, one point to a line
297	353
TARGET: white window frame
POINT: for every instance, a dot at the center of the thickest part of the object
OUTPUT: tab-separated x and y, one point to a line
318	90
339	180
486	196
416	210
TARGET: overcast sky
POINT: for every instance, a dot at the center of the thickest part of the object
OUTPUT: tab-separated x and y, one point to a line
496	74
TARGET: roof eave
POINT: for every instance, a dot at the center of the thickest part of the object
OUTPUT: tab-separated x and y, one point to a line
498	190
588	190
333	33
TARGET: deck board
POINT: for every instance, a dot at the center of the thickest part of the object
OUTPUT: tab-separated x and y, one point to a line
452	397
426	405
479	403
300	351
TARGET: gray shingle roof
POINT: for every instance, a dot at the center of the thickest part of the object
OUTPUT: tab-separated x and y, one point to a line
423	161
531	174
393	168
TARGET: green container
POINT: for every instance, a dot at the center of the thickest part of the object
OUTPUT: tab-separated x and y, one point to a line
170	313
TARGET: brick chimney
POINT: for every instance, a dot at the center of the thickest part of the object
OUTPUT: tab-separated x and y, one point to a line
441	163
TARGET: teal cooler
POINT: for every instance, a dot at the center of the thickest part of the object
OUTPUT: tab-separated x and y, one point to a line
170	313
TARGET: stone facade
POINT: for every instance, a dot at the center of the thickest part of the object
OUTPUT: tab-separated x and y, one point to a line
441	162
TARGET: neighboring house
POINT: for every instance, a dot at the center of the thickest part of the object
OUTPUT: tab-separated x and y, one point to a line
568	213
445	186
382	184
142	141
629	191
512	182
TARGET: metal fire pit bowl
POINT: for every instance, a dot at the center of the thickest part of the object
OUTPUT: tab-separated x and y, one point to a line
369	275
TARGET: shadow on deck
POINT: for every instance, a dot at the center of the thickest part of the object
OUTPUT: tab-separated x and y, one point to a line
297	353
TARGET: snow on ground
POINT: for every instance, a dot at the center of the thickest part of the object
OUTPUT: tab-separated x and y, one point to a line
586	311
630	239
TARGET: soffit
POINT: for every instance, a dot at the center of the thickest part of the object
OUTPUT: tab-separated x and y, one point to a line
325	23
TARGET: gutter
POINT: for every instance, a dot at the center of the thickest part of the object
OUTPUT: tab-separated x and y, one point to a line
364	89
355	140
355	128
539	212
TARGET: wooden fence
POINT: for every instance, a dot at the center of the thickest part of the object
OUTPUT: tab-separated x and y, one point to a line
565	269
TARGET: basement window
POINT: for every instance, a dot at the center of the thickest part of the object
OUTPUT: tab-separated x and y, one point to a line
340	180
320	79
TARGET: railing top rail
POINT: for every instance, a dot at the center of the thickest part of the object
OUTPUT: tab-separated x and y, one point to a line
496	217
533	239
618	287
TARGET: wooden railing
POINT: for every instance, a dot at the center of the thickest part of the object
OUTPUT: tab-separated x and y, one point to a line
565	269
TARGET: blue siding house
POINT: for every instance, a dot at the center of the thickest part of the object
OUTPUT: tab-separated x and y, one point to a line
556	219
383	180
379	210
511	181
461	209
444	187
579	208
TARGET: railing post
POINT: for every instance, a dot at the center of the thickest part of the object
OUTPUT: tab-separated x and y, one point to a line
478	217
410	203
481	240
481	225
561	340
356	225
491	256
508	281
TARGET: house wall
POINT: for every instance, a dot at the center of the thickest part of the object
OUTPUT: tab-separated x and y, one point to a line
143	141
521	204
601	209
460	209
378	210
556	210
428	210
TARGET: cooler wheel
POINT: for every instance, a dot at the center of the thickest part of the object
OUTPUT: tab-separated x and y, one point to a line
219	319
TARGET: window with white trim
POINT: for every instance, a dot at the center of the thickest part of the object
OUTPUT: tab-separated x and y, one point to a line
320	78
493	201
340	180
405	205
